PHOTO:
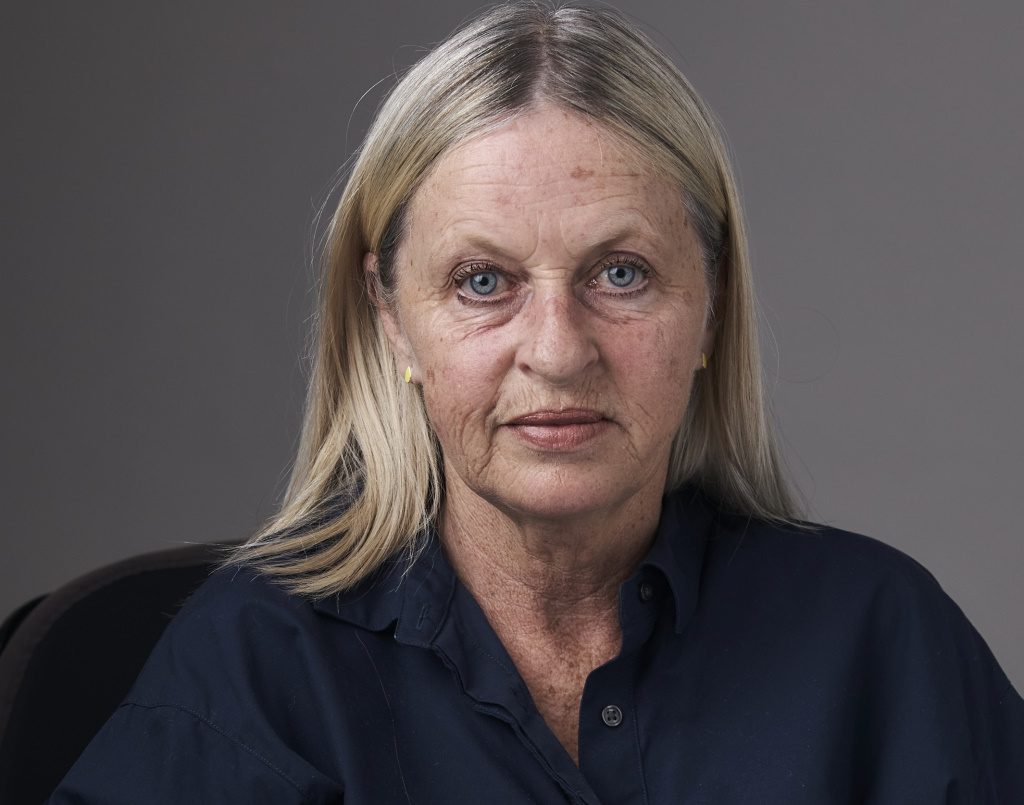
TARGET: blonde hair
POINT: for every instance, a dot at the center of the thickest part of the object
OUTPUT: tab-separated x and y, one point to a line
367	478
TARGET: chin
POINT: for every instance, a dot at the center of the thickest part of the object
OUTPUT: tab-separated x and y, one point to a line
558	493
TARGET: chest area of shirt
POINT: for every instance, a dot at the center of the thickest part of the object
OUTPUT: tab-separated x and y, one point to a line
555	672
644	729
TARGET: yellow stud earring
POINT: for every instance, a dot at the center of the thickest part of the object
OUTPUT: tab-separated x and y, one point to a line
408	374
704	360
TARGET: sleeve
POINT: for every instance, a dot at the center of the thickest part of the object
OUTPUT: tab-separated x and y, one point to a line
167	754
995	713
998	713
949	706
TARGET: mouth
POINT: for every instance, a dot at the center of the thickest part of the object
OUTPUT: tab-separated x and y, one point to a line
559	431
568	416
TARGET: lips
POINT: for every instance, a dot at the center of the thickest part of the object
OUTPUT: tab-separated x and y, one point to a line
568	416
561	431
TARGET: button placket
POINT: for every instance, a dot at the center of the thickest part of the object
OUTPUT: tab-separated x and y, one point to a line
608	746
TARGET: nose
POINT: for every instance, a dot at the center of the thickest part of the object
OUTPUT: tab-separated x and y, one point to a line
557	344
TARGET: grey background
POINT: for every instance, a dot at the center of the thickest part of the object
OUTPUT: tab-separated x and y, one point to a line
161	169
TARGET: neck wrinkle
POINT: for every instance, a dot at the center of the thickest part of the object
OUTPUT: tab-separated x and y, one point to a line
557	579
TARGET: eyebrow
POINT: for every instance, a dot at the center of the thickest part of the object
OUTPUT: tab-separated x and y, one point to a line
484	244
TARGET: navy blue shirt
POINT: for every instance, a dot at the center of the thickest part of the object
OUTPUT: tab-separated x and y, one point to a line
759	664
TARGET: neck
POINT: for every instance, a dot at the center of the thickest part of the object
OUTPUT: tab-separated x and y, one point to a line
547	575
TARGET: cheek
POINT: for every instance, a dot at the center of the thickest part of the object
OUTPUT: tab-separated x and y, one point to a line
654	373
461	385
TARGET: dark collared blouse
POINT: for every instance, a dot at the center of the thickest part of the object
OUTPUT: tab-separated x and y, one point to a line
759	665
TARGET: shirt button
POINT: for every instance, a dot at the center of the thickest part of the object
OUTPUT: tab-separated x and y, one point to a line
646	591
611	715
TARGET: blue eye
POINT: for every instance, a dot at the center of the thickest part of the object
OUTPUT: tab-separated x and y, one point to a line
483	282
621	275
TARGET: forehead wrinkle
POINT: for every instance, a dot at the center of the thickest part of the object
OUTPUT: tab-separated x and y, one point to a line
462	229
545	200
506	195
514	188
546	164
468	234
634	221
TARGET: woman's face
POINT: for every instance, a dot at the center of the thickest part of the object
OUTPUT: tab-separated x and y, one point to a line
551	301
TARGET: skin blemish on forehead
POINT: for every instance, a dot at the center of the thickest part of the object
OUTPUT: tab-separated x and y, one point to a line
580	173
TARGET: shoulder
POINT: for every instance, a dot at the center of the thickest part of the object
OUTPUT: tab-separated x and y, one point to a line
852	592
813	542
815	559
831	604
214	711
237	639
236	596
836	585
238	603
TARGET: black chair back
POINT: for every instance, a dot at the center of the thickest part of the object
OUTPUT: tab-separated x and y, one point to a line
68	659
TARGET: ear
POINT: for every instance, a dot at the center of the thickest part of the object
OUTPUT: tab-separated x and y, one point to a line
388	315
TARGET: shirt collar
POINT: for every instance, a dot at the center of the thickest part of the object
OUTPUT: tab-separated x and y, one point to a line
678	549
417	597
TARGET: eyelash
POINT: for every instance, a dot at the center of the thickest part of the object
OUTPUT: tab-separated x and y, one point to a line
468	271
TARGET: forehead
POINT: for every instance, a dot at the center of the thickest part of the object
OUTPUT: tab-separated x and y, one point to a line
541	142
549	170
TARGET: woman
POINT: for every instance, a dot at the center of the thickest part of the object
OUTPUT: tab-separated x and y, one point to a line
537	546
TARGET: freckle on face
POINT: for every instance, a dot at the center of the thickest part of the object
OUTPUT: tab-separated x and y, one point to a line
545	191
